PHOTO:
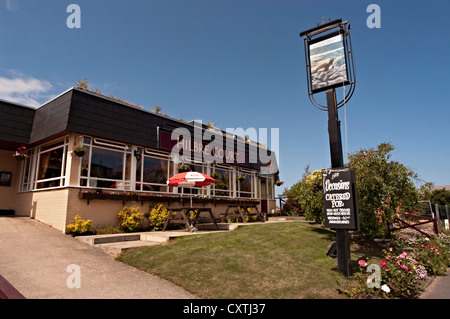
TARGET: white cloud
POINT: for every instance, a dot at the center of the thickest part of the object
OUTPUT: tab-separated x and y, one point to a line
24	90
12	5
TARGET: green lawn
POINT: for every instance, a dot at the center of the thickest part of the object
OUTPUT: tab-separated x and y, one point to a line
265	261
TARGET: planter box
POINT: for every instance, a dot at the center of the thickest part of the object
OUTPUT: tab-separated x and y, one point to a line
160	198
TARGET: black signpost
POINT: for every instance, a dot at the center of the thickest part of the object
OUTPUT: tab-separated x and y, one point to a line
340	199
329	64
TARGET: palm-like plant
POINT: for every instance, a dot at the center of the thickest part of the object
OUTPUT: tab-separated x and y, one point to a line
210	124
157	109
82	83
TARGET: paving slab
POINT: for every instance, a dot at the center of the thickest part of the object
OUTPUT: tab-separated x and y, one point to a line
439	288
38	261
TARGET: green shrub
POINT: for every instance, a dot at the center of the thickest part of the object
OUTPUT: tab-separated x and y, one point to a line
80	227
130	218
384	187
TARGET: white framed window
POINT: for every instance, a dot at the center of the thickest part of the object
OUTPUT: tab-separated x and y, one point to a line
152	172
246	184
267	187
106	164
27	170
224	181
195	167
49	164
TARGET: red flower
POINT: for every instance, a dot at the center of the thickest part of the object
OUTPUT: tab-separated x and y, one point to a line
383	264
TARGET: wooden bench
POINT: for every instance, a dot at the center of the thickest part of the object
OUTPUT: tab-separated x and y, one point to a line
190	216
241	211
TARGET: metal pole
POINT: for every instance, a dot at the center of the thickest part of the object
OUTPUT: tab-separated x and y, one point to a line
337	160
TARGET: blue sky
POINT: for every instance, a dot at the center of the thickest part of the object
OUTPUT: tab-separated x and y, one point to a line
240	63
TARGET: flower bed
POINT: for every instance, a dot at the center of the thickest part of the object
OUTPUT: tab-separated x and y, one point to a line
126	196
407	265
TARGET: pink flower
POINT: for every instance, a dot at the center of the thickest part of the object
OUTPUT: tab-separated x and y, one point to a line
404	267
390	248
383	264
362	263
403	255
422	246
388	257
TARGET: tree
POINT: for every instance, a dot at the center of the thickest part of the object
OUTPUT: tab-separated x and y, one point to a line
384	187
309	193
425	191
440	197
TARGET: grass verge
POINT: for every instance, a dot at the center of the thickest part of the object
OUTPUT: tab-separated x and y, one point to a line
265	261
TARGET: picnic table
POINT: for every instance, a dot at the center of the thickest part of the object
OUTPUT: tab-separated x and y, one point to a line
242	210
189	216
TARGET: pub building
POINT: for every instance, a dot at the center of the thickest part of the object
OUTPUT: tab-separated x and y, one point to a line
128	159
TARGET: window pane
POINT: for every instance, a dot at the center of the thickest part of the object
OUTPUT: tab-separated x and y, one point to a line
196	168
49	146
138	171
53	183
155	170
222	184
128	167
50	164
270	187
85	162
106	164
152	188
246	185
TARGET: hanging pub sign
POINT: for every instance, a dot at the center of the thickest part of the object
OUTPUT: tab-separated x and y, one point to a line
327	62
340	202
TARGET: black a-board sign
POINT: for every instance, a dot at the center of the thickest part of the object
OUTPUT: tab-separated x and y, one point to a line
340	199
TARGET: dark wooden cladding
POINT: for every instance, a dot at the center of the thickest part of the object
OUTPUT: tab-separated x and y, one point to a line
16	122
101	117
82	112
51	118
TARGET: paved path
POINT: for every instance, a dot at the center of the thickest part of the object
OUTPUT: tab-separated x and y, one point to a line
34	259
439	288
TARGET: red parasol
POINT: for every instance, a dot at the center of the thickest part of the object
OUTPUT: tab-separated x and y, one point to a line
190	179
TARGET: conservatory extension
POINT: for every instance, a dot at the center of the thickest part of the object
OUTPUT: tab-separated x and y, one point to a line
86	154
